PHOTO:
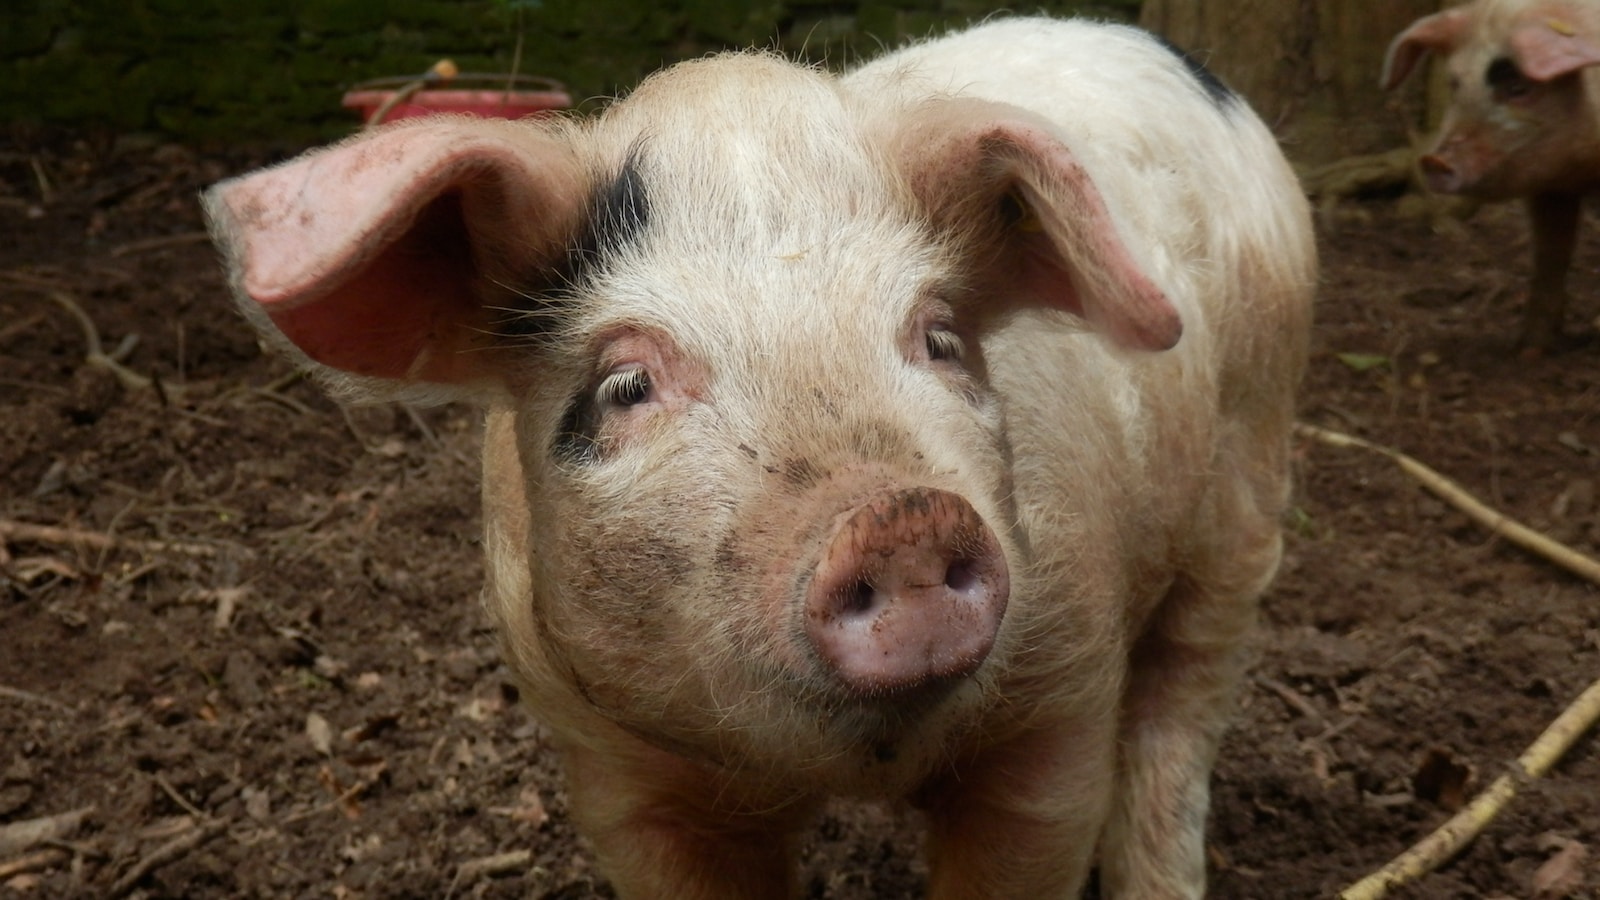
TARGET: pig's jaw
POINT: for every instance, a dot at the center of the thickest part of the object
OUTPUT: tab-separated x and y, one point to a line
870	750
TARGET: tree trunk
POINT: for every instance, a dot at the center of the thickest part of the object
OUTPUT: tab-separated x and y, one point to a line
1309	67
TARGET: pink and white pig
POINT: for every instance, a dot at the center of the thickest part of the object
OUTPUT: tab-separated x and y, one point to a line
916	435
1523	123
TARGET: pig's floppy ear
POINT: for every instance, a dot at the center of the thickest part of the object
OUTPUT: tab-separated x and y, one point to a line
1549	46
1439	33
374	257
968	161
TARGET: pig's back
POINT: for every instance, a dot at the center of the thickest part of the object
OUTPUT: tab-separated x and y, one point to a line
1189	444
1193	177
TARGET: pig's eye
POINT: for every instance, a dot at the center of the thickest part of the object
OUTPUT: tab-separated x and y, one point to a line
1506	81
626	387
944	344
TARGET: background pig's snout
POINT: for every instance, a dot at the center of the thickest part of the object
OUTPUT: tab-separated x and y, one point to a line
1441	176
909	591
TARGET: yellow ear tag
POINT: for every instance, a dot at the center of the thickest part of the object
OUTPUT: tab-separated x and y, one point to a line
1029	221
1560	27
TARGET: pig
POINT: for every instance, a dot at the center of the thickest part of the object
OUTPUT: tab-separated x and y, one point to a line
1523	123
918	435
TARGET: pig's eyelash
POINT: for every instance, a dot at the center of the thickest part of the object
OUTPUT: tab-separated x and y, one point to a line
944	344
627	387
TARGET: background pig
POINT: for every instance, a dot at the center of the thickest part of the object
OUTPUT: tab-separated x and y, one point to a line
919	434
1523	122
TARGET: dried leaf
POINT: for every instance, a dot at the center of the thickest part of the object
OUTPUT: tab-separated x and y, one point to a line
18	836
529	809
1562	874
1444	778
373	727
227	602
320	733
257	804
1362	362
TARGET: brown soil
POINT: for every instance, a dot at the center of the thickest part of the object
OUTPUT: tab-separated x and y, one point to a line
275	681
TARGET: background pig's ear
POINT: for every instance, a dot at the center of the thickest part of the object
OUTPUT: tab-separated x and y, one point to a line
374	257
973	162
1439	33
1551	45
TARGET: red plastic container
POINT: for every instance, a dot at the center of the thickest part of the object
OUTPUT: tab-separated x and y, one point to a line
481	95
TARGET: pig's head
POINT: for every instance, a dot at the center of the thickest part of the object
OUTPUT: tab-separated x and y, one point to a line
735	331
1521	119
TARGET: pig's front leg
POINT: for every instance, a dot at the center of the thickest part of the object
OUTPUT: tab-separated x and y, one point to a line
1554	221
661	830
1183	676
1022	819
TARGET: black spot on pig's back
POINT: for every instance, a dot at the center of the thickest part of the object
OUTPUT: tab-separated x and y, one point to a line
1218	92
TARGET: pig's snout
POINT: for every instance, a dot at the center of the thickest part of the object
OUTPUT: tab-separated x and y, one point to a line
909	592
1441	176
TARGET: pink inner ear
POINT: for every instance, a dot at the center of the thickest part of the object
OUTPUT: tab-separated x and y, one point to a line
402	314
1439	33
370	255
1551	48
962	156
1090	271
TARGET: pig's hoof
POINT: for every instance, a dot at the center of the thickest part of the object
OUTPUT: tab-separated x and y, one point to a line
909	592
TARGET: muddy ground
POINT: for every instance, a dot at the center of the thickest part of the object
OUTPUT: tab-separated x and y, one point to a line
252	654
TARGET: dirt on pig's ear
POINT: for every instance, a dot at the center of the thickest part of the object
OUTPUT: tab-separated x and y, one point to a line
1012	192
388	257
1553	43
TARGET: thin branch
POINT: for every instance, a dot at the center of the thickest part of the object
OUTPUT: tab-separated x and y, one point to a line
1293	698
32	862
19	326
170	791
487	866
159	243
164	854
96	356
16	837
1457	496
50	534
11	693
1448	840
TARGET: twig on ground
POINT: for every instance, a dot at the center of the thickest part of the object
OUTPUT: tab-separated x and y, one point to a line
32	862
49	534
422	425
166	853
1457	496
158	243
1293	698
485	866
285	400
40	387
97	356
11	693
17	837
19	326
344	800
170	791
47	193
30	280
1448	840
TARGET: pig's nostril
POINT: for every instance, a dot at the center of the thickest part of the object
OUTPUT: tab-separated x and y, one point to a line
961	577
908	594
859	600
1435	165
